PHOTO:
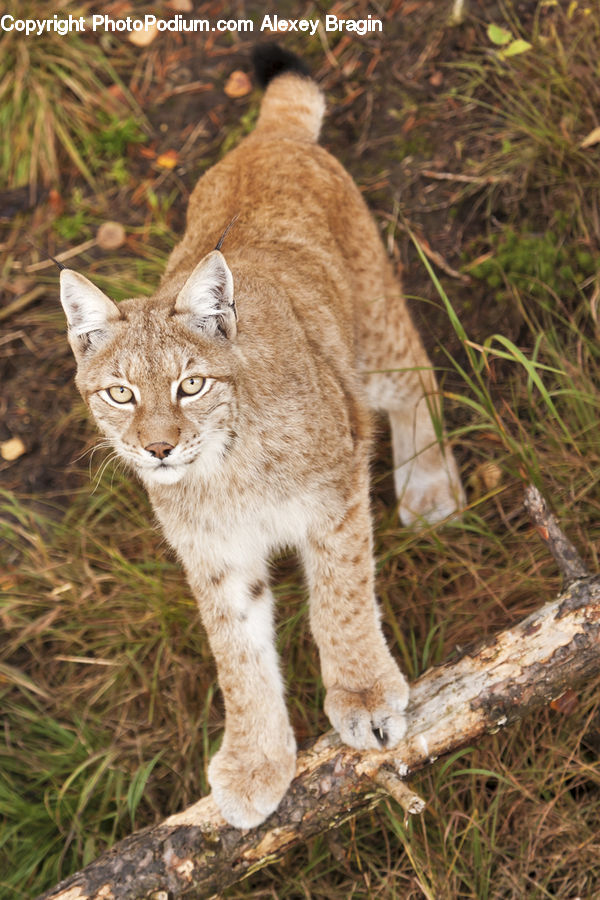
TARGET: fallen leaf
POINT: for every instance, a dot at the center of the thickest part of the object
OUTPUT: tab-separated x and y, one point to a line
566	703
515	48
61	589
486	477
238	84
20	284
116	93
409	123
110	235
498	35
168	160
8	581
144	37
12	449
592	138
56	201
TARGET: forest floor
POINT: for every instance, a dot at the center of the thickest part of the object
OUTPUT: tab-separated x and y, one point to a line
477	148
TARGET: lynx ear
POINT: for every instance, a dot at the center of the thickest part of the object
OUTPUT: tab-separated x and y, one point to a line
89	312
206	299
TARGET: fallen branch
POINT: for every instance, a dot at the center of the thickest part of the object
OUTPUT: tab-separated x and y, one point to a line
196	853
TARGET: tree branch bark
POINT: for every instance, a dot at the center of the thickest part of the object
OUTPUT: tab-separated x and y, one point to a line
196	853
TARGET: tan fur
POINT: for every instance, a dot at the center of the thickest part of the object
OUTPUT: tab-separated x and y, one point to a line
276	450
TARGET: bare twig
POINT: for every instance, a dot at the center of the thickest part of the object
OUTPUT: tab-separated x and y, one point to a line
61	257
395	785
561	548
192	87
433	255
461	179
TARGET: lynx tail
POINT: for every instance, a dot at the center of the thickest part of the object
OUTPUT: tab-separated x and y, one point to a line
293	105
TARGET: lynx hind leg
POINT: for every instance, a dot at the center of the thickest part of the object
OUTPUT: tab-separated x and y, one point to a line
426	478
400	381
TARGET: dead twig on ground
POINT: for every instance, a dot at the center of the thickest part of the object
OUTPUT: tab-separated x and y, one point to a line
461	179
435	257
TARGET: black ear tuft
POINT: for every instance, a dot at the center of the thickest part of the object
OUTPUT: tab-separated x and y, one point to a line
271	60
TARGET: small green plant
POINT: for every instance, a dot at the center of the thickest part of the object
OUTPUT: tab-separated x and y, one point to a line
510	46
71	228
109	144
246	124
115	135
539	265
550	390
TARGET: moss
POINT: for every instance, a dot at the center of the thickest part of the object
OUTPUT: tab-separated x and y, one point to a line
116	134
536	263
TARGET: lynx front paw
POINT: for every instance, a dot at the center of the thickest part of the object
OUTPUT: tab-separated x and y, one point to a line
369	719
248	785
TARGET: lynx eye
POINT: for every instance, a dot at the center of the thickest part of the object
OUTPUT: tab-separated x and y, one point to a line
192	385
120	393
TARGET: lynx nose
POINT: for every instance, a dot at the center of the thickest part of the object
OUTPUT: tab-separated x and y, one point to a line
159	449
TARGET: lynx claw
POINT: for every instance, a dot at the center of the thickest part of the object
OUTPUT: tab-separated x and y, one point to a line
371	719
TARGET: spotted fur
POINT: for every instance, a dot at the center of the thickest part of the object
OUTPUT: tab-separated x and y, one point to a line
275	449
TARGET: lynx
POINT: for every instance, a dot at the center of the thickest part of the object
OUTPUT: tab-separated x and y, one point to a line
239	393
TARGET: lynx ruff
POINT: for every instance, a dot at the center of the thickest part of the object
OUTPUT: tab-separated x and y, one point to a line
239	393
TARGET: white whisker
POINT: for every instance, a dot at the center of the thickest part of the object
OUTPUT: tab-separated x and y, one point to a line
91	450
104	465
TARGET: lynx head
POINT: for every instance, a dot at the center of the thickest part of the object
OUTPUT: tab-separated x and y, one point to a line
159	374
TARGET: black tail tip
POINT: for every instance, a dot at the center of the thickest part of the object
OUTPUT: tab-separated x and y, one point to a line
271	60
